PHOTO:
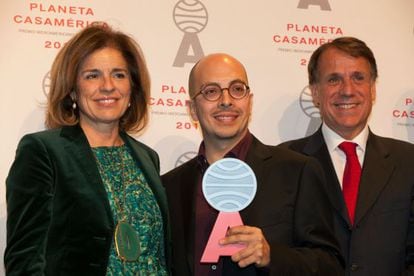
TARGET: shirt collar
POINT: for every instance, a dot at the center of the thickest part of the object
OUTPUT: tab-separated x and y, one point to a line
239	151
333	139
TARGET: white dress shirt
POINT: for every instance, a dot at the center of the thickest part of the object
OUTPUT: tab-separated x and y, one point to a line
338	157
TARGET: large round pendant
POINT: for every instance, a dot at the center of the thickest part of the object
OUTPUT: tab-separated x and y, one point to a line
126	242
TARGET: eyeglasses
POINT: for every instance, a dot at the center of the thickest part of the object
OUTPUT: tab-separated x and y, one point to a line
212	92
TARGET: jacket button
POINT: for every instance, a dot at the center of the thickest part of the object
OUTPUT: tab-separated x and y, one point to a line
354	267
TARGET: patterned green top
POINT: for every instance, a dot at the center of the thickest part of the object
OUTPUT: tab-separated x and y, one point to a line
137	206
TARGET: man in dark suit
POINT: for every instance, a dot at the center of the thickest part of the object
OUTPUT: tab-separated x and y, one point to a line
376	231
288	226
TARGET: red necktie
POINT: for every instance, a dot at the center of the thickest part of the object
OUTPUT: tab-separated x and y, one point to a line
352	174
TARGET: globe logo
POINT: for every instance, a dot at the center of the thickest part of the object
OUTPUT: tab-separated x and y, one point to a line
186	156
307	105
190	16
46	84
229	185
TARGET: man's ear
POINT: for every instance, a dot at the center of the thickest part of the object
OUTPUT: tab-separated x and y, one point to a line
373	92
192	109
315	95
251	103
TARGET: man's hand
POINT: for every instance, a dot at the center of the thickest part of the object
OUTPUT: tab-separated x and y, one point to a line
257	249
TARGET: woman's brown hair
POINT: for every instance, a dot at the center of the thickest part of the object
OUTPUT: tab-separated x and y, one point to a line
65	69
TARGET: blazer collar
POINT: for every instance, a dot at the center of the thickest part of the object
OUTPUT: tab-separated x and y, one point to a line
77	145
150	168
186	187
317	148
376	172
257	150
257	155
149	164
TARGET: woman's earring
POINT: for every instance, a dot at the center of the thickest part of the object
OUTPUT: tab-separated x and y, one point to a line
73	97
129	104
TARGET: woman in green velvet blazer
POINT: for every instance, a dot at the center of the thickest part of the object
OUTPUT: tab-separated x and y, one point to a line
84	197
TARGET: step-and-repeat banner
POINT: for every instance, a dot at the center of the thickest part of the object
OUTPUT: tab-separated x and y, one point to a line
273	39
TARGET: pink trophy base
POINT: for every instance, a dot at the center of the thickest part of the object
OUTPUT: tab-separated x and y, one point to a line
213	249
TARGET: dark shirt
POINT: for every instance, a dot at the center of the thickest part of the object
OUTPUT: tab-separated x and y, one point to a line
205	214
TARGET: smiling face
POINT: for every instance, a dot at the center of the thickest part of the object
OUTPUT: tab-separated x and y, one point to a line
103	89
344	92
225	120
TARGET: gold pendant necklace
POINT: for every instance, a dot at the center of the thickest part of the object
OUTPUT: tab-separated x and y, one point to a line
126	237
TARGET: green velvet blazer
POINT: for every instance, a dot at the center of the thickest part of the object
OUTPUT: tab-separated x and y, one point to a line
59	218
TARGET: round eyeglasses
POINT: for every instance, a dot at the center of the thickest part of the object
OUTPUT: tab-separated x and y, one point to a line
212	92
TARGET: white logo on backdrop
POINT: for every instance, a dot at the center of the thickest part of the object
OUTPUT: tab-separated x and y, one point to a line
186	156
191	17
323	4
46	84
307	106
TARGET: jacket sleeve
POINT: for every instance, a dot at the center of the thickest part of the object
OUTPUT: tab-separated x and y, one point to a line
29	193
315	250
409	259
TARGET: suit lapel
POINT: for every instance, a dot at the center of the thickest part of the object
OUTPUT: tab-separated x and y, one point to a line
376	171
188	192
256	156
317	148
150	170
149	166
77	146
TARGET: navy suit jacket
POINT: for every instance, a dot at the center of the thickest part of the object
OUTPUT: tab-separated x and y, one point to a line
382	239
291	208
59	219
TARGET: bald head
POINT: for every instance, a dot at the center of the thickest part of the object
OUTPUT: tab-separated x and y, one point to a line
218	64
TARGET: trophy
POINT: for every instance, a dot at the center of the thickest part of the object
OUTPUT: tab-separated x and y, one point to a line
229	185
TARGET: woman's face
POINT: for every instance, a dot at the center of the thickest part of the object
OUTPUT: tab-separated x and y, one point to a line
104	89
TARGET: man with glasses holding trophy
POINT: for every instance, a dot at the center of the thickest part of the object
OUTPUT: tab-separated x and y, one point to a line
287	227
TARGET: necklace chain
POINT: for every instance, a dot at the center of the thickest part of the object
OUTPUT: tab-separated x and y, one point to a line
126	238
119	206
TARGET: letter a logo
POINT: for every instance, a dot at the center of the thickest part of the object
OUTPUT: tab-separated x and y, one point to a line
189	41
213	250
323	4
